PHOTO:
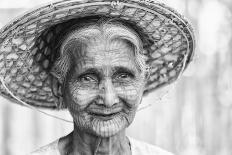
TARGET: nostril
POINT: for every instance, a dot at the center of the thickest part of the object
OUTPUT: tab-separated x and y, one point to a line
100	100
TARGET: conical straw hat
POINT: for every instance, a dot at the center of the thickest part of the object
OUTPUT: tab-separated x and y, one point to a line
26	44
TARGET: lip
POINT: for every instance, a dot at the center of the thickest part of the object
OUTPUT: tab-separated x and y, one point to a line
104	116
104	113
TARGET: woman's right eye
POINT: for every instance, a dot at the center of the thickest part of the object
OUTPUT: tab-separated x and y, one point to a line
88	78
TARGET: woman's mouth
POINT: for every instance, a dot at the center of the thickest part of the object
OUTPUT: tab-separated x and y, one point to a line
104	113
104	116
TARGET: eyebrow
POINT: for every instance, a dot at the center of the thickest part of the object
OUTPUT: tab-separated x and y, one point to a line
124	69
91	70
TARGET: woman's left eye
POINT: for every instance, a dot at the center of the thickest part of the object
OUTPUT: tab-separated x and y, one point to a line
123	76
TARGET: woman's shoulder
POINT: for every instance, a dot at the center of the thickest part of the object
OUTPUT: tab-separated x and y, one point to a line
143	148
50	149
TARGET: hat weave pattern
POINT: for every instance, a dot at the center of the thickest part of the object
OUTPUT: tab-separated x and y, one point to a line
26	44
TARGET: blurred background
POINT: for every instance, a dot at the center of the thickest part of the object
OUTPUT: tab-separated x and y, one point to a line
191	117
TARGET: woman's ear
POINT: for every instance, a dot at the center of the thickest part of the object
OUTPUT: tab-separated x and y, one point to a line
147	73
56	87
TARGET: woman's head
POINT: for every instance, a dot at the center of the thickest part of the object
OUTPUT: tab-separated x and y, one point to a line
102	73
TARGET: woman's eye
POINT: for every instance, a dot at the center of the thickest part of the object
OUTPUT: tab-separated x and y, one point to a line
88	78
124	76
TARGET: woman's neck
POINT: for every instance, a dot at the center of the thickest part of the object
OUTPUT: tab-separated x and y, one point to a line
82	143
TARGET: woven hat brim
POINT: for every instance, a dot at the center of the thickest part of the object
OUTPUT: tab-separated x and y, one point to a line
21	44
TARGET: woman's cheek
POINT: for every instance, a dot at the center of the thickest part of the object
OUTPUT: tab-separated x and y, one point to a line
81	96
131	94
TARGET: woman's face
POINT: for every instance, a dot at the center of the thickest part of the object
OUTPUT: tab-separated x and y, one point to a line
103	88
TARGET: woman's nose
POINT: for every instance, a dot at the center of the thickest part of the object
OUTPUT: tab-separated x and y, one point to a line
109	94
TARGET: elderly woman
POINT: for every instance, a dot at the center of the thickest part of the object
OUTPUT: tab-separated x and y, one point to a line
97	59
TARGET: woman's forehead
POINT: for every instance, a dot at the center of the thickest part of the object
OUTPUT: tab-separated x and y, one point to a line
113	54
104	47
101	49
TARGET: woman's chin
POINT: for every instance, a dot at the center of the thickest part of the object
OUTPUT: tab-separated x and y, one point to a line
108	128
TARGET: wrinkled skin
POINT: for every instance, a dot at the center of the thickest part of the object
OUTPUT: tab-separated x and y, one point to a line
102	92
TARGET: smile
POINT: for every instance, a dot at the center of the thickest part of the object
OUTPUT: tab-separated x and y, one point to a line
104	116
